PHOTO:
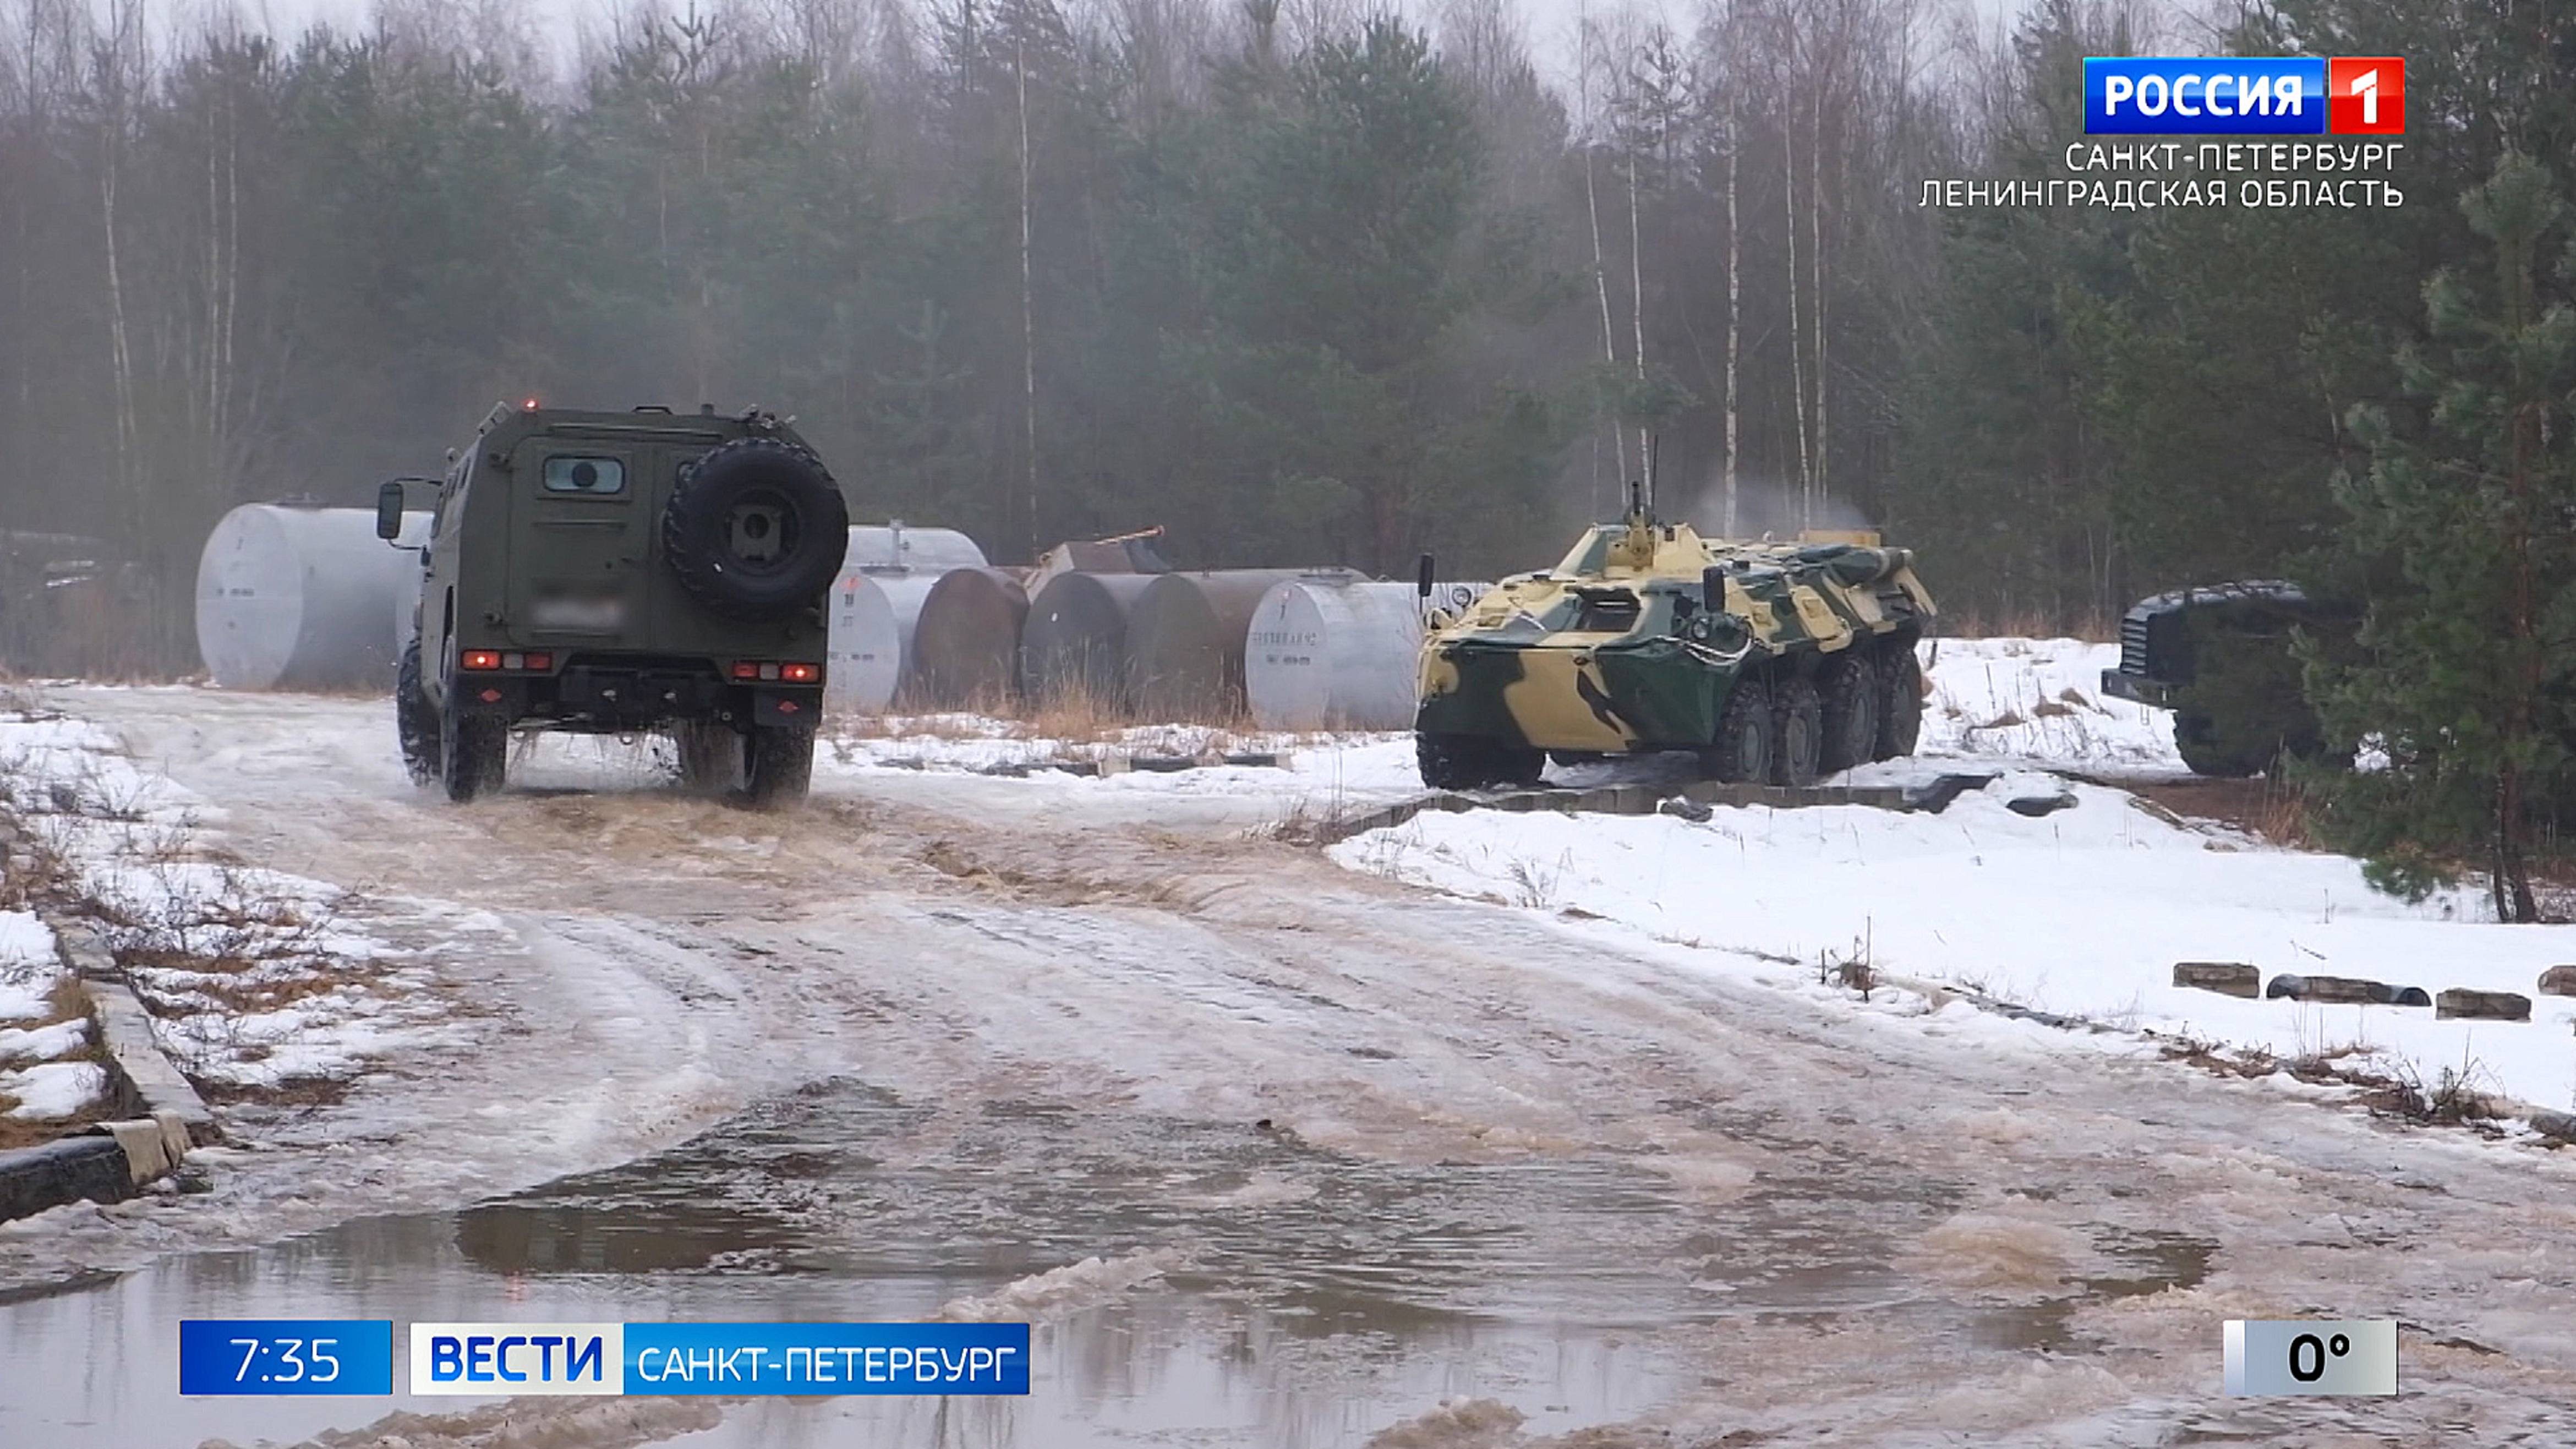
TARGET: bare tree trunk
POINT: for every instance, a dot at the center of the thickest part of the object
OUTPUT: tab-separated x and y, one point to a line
1816	260
1797	352
1028	315
1637	313
1600	269
120	356
1734	306
2513	898
1601	288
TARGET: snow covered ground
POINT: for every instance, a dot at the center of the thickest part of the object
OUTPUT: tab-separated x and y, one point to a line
250	976
2039	700
42	1074
2082	912
1054	1031
1316	772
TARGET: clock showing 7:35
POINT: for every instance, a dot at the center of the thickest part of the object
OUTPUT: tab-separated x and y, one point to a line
286	1356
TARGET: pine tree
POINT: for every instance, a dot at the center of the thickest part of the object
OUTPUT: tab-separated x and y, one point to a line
2471	519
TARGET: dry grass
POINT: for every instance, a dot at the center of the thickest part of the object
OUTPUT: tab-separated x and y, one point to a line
66	1002
2398	1092
2272	810
304	1092
1853	970
2091	625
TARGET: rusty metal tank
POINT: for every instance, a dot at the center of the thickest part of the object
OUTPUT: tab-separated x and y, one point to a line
1074	643
1185	641
966	643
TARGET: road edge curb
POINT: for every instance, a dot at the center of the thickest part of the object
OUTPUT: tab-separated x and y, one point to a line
143	1086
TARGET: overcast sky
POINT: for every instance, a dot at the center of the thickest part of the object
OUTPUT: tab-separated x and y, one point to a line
1550	23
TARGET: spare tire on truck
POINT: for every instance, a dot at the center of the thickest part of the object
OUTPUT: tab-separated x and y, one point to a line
755	529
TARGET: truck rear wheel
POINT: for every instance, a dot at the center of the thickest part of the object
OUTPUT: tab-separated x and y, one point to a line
1746	735
1853	692
782	768
1900	716
415	719
711	757
1800	712
475	760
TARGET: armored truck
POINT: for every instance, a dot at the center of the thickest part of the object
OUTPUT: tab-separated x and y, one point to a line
2220	657
622	573
1774	662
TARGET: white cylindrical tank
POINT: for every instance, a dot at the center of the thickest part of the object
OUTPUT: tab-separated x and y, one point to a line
298	598
897	545
1335	651
408	543
871	617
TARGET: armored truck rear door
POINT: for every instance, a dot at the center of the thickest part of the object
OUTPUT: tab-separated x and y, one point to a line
580	508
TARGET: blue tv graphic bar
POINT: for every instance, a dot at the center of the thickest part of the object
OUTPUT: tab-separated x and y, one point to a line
512	1359
827	1358
286	1356
2147	95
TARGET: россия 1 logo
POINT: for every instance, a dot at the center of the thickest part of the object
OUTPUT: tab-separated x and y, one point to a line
2149	95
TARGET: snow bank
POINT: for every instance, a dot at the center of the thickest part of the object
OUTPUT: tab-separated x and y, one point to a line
28	966
1322	768
2083	912
2038	700
251	974
43	1043
49	1091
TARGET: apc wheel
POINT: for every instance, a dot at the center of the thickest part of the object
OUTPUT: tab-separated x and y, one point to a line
1747	736
475	760
756	529
1799	713
1900	715
782	768
1853	692
1461	762
415	719
711	757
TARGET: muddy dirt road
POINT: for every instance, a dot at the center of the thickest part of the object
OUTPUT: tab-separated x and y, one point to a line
1343	1151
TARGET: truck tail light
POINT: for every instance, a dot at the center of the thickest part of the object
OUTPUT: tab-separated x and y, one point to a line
769	672
541	661
479	659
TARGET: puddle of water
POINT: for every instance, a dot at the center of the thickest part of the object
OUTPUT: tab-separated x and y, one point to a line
1309	1298
1314	1299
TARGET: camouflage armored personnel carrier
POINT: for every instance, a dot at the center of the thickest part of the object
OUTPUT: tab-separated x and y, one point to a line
618	573
1774	662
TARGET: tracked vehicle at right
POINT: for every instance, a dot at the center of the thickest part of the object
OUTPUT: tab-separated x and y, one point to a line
1773	662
